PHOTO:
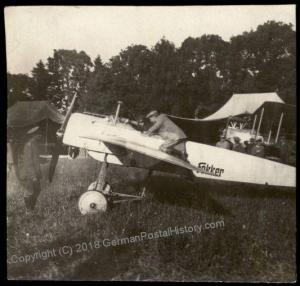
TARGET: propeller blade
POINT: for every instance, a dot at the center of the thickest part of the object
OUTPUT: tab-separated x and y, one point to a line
58	146
54	160
61	130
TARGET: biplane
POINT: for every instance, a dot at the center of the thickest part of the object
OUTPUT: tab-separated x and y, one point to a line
115	140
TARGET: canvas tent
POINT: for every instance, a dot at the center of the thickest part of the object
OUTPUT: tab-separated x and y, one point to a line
243	103
207	130
198	130
27	113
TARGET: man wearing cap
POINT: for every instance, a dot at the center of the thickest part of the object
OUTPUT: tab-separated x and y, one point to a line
238	146
29	172
167	129
258	149
223	143
249	145
284	149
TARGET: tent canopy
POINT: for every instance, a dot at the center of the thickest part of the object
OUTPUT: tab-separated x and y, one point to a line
243	103
207	130
27	113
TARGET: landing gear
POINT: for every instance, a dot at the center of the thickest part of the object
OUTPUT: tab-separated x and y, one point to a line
100	196
92	202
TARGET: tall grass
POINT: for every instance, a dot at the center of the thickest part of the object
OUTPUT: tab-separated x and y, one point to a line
256	243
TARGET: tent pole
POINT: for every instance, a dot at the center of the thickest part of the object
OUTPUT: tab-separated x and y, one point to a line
279	126
227	123
259	124
46	145
270	133
254	122
117	112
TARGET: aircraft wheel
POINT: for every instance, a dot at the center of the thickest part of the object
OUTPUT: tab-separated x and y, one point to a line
92	202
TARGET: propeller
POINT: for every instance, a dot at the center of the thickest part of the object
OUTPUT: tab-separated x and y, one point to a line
54	160
59	136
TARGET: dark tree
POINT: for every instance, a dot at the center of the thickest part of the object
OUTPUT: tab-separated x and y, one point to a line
204	71
192	80
69	72
264	60
98	97
19	87
41	81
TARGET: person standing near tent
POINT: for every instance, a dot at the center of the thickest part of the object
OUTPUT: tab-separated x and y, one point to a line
249	145
238	146
223	143
28	168
284	150
258	149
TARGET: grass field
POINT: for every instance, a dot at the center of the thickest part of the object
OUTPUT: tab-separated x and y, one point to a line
255	242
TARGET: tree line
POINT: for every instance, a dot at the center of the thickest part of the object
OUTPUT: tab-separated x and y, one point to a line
189	81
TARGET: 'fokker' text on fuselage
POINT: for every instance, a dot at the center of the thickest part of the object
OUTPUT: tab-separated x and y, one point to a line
210	169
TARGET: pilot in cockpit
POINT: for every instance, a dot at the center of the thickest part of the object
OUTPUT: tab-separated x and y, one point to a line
167	129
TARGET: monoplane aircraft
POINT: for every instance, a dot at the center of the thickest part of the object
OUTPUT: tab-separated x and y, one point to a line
115	140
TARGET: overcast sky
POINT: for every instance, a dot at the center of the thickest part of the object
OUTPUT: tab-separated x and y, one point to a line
32	33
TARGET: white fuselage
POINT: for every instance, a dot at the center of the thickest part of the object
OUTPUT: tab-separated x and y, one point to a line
212	162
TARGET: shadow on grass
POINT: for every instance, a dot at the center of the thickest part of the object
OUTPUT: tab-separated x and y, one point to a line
177	191
252	191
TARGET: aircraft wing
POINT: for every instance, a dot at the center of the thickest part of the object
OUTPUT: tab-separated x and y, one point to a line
91	133
157	154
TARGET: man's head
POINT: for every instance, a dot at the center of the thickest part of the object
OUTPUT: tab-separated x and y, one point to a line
236	139
152	115
259	141
252	140
282	138
222	137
